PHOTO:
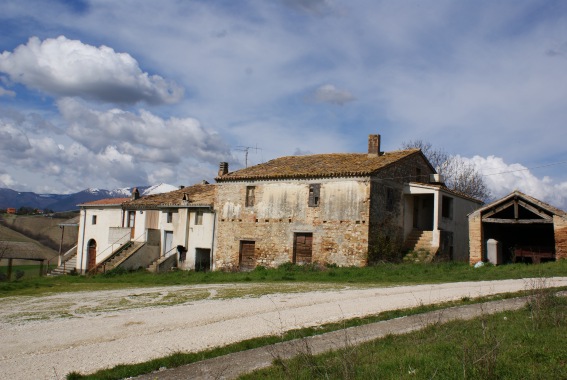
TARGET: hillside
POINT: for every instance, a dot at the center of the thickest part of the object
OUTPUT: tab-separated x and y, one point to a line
43	230
9	238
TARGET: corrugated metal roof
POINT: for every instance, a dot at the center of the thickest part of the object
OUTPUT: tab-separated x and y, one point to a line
319	165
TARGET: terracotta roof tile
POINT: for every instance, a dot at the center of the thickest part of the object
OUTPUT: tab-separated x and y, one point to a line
196	195
106	202
319	165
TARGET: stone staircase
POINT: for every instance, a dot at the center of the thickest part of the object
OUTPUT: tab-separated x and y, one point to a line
154	267
115	260
66	267
418	244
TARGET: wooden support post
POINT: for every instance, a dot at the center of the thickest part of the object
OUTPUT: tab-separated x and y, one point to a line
10	269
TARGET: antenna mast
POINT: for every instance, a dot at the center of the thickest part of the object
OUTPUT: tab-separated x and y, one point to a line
246	149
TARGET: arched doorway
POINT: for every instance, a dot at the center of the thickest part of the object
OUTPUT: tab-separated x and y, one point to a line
91	256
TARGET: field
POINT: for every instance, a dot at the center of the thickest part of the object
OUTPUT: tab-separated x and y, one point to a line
383	275
44	229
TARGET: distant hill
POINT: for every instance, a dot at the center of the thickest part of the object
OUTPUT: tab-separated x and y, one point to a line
68	202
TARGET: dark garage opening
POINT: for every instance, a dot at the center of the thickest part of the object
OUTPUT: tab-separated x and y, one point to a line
532	237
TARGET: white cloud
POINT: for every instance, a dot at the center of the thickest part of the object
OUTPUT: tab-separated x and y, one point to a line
144	136
503	178
4	92
6	180
328	93
64	67
13	140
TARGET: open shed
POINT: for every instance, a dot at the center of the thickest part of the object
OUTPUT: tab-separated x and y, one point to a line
24	251
526	229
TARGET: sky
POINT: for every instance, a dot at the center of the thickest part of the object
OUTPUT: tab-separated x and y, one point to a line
112	94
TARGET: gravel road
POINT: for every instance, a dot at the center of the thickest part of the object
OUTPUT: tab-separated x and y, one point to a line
50	336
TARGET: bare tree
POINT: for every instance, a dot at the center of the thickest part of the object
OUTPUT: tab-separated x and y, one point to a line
3	249
459	175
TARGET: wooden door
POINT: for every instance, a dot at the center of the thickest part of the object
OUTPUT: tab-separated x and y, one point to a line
91	261
132	223
247	260
303	248
168	242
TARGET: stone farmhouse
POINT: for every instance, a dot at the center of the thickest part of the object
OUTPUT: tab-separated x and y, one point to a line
348	209
345	209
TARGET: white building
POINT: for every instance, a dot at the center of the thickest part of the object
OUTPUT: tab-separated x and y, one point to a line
156	232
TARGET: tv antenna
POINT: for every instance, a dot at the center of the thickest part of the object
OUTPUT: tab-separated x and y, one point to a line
246	149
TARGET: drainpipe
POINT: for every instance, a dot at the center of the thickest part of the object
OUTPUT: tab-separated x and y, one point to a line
60	246
83	243
213	239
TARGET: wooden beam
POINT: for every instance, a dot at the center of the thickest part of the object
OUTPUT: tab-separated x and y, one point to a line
499	208
534	210
517	221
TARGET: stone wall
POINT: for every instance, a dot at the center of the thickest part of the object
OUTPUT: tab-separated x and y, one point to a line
339	223
560	232
386	205
476	245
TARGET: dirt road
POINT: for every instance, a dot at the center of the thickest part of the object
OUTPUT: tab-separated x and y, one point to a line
48	337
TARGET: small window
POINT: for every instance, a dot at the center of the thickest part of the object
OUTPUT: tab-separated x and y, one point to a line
169	217
250	196
94	219
131	218
199	218
418	175
447	207
314	194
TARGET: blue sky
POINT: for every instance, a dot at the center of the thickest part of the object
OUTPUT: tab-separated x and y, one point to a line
114	94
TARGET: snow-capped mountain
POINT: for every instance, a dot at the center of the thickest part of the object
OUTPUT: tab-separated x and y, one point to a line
68	202
158	189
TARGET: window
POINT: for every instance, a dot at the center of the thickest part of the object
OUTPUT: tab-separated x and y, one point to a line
169	217
198	218
94	219
447	207
418	175
250	196
131	218
314	194
390	199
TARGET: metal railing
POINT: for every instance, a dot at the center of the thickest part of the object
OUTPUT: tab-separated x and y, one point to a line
64	258
122	247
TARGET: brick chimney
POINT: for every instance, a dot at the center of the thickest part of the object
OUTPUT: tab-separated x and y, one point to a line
373	145
223	168
135	193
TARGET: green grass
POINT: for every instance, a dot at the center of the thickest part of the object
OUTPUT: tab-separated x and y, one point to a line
30	271
525	344
383	274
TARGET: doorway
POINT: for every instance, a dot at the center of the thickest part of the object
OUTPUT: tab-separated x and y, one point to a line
202	260
91	255
131	223
302	248
167	242
247	261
